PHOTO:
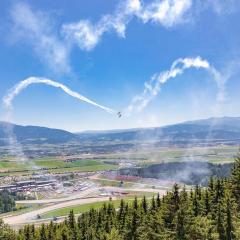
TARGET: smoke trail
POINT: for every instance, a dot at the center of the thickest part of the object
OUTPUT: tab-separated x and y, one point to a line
178	67
15	147
7	100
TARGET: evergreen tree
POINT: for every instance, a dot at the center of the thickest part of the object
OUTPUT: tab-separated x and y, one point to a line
43	234
181	225
71	220
158	201
135	203
235	180
144	204
176	197
50	235
229	227
153	204
196	207
220	225
207	203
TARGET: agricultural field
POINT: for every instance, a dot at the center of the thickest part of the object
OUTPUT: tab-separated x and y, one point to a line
103	162
216	154
13	166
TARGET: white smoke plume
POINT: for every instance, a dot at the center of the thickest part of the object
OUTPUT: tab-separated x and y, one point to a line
14	146
7	100
178	67
37	28
166	13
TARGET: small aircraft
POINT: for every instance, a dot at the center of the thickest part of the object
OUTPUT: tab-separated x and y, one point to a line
119	114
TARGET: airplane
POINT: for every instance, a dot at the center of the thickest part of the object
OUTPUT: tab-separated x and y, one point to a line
119	114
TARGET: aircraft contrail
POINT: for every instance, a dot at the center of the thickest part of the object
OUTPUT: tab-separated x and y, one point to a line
7	100
152	87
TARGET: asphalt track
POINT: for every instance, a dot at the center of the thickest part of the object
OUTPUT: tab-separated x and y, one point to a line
78	199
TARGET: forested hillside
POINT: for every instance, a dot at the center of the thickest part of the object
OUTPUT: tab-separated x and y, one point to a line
208	214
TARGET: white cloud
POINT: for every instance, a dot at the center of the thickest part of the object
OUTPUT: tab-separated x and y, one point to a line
36	29
166	12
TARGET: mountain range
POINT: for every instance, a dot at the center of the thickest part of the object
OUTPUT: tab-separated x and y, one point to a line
225	129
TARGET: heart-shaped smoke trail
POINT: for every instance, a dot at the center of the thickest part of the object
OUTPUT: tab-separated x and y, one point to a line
139	102
7	100
178	67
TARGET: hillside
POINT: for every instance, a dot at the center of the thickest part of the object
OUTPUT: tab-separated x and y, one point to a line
34	134
212	129
225	130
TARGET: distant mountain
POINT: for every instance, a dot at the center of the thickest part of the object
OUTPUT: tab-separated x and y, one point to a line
220	130
212	129
34	134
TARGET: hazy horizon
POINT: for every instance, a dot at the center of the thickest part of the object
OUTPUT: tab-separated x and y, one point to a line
130	128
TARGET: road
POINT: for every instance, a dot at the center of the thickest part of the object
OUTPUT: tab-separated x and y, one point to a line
85	193
30	217
82	194
78	199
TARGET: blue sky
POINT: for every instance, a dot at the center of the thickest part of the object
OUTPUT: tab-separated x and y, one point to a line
106	50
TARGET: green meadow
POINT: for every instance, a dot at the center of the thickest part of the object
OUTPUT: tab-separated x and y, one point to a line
51	164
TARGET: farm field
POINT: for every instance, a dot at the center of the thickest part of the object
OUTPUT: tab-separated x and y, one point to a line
103	162
12	166
141	157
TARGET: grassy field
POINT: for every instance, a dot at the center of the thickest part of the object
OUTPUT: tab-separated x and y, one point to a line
22	208
12	166
55	165
77	209
220	154
86	207
112	183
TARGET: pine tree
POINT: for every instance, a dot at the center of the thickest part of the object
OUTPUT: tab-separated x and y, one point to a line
229	227
176	197
235	180
220	189
71	220
206	203
64	234
114	235
211	184
50	235
153	204
33	231
121	209
144	204
220	225
134	225
196	207
27	232
43	235
135	203
158	201
180	225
